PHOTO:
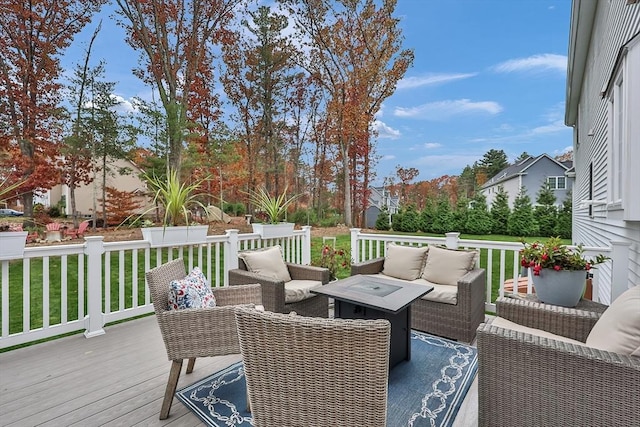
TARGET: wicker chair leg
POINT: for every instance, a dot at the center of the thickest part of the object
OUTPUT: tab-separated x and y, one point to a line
190	364
172	384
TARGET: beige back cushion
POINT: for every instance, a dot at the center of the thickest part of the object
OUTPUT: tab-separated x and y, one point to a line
447	266
618	329
404	262
267	262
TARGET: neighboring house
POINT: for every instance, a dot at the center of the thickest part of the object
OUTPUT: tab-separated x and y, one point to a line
378	198
124	176
531	173
603	107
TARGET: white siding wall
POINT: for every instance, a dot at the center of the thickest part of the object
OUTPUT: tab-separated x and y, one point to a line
614	24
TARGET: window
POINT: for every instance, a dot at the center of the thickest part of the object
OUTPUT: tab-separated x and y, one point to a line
623	95
557	182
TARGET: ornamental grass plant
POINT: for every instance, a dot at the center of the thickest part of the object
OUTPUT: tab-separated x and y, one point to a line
553	254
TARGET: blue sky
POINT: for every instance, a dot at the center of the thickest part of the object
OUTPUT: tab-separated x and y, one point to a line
488	74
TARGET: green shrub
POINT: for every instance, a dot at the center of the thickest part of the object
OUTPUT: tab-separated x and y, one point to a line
382	222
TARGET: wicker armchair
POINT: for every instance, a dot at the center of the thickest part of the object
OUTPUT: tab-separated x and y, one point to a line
192	333
459	321
527	380
273	290
313	372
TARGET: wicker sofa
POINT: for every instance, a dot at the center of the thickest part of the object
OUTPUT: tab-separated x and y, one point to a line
537	376
276	286
458	319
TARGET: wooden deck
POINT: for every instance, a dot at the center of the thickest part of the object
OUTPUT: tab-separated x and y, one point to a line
117	379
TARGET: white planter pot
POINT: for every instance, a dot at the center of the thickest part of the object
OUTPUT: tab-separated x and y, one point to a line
175	236
562	287
12	244
271	231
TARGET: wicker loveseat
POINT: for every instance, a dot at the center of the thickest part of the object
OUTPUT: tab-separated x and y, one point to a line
540	364
285	286
455	308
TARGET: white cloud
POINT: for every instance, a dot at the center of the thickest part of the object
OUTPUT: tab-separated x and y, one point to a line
553	127
432	145
431	80
543	62
388	157
443	110
385	131
124	106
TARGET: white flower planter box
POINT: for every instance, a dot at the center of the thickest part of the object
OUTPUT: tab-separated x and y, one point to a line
272	231
12	244
175	236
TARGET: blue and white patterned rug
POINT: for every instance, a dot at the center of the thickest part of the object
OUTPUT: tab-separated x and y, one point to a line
426	391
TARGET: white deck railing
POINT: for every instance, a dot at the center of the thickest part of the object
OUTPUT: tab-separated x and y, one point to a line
499	259
87	285
90	284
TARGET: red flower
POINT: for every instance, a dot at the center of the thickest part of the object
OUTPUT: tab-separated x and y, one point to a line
557	268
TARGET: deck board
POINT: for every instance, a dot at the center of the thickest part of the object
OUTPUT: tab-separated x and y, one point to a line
116	379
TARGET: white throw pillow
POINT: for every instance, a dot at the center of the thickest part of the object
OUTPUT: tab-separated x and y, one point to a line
404	262
267	262
447	266
618	329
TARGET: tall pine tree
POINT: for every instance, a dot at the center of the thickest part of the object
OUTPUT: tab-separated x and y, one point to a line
545	211
522	221
479	219
564	223
500	212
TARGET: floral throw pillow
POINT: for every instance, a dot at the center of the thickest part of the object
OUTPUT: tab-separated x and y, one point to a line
191	292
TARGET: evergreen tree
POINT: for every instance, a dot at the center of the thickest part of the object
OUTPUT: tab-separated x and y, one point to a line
428	215
443	220
461	214
500	212
396	221
382	222
493	162
545	211
408	221
522	221
479	218
564	222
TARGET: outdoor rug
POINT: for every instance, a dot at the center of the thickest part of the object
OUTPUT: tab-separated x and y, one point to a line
426	391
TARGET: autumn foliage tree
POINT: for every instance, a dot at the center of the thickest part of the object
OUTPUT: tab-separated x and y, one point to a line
176	38
32	35
355	54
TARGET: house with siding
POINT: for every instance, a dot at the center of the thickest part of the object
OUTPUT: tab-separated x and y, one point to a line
378	198
603	108
124	175
531	173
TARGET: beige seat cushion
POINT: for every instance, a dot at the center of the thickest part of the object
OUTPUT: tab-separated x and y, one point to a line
404	262
267	262
298	290
508	324
618	329
441	293
447	266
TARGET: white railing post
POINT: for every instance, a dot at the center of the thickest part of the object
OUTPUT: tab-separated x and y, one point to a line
355	247
452	239
619	268
230	253
94	320
306	245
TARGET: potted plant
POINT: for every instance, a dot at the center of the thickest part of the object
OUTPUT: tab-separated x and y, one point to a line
334	259
274	207
559	272
177	200
11	242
